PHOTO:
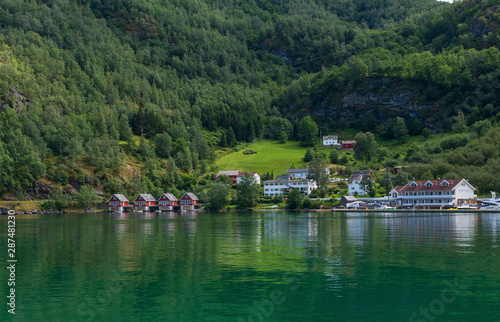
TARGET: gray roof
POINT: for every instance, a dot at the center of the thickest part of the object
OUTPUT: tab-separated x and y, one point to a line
276	181
229	173
169	196
350	198
287	177
191	195
297	171
119	196
146	197
359	175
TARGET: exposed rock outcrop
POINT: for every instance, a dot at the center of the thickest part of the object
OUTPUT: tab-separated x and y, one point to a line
380	98
42	190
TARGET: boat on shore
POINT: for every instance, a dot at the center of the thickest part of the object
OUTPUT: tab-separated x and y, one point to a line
491	204
467	206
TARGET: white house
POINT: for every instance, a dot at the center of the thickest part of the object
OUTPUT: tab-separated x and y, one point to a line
255	176
434	193
330	140
355	184
301	173
280	187
297	173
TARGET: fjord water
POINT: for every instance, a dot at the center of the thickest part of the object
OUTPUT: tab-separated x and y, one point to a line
256	266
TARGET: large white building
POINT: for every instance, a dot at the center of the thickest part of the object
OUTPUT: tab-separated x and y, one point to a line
355	184
281	187
330	140
434	193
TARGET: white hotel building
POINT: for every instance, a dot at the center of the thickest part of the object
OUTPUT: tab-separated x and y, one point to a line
434	193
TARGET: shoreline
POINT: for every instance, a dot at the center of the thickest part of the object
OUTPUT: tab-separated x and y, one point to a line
336	210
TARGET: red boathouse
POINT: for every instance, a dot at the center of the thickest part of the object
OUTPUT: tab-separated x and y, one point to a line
118	202
167	202
189	201
144	202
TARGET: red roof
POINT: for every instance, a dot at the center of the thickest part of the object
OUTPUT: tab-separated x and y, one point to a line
399	188
431	185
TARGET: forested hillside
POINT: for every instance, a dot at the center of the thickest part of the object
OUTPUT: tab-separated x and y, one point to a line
136	95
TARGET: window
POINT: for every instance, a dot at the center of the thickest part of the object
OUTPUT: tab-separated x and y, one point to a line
428	184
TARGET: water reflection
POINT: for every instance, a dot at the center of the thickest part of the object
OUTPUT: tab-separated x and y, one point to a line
190	265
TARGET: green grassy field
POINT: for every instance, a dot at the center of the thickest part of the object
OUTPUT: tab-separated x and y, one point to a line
270	156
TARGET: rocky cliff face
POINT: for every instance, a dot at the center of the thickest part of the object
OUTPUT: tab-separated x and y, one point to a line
485	22
380	98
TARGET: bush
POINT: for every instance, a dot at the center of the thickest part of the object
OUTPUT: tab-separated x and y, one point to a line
454	142
307	203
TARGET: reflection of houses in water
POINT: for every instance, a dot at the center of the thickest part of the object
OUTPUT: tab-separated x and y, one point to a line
490	223
147	228
258	233
145	215
120	229
189	224
356	230
169	227
313	227
465	228
118	215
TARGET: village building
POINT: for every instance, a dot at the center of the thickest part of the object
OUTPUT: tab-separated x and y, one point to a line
434	193
301	173
283	177
330	140
236	176
355	183
167	202
279	187
348	145
118	202
232	174
347	199
255	176
145	202
298	173
188	201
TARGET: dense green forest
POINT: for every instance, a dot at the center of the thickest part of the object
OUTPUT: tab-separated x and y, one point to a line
81	81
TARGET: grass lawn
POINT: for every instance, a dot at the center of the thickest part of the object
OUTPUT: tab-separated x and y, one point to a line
270	156
21	205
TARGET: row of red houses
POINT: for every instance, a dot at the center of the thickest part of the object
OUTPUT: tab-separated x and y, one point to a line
146	202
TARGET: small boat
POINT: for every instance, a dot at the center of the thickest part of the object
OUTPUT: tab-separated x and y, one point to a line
491	204
466	206
386	207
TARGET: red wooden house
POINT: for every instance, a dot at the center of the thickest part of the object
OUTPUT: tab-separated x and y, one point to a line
144	202
118	202
232	174
167	202
348	145
189	201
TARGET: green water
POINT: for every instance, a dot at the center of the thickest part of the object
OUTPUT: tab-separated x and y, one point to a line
255	266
